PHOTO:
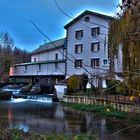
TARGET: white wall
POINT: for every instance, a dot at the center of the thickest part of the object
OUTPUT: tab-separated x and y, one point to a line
46	69
60	91
87	39
50	55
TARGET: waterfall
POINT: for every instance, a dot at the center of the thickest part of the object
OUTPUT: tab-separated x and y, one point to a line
47	99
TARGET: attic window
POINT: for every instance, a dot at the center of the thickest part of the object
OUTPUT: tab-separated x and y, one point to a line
87	19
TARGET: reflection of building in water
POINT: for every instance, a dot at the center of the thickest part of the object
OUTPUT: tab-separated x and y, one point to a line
10	117
43	117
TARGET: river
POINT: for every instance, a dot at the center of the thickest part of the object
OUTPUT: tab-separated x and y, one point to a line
45	116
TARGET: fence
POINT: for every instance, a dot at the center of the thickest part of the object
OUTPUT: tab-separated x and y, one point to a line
126	107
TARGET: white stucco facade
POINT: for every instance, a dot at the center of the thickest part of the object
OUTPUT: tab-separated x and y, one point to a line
34	70
49	55
47	63
63	59
86	40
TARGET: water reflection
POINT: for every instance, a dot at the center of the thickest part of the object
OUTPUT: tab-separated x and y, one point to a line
45	117
18	100
10	117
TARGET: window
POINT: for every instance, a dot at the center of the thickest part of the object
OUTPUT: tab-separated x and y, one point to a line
95	31
79	34
78	63
56	56
34	59
105	62
39	67
78	48
95	62
25	69
95	47
56	66
87	19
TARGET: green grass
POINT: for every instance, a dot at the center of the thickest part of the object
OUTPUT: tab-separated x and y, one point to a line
104	110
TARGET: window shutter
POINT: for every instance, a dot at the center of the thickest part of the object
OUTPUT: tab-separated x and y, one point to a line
98	30
75	64
81	48
98	62
75	48
76	34
92	32
81	33
91	63
98	46
92	47
81	63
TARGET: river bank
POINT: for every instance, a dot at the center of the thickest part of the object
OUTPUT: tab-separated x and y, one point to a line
15	134
130	107
105	110
43	117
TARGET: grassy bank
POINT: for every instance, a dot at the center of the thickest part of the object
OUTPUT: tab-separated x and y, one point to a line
104	110
14	134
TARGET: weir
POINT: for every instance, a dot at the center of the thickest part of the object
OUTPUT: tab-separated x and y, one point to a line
47	99
37	98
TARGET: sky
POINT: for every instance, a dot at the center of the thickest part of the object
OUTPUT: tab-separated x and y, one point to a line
16	16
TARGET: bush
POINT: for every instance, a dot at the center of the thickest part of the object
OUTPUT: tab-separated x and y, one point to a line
73	84
5	95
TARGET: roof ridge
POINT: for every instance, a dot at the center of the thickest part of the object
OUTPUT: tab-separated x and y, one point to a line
87	12
50	45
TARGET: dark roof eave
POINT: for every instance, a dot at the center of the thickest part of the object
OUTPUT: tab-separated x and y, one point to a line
87	12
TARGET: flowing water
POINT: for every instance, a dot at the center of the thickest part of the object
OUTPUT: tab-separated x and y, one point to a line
41	115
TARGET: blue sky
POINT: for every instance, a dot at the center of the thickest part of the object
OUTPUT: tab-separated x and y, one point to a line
15	17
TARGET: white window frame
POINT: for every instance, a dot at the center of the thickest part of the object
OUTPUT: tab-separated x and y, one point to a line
92	46
95	58
79	48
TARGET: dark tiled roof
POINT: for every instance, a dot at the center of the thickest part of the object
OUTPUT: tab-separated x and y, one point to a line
50	46
87	12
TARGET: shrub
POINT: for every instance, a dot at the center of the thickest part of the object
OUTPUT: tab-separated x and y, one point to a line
15	134
73	84
5	95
